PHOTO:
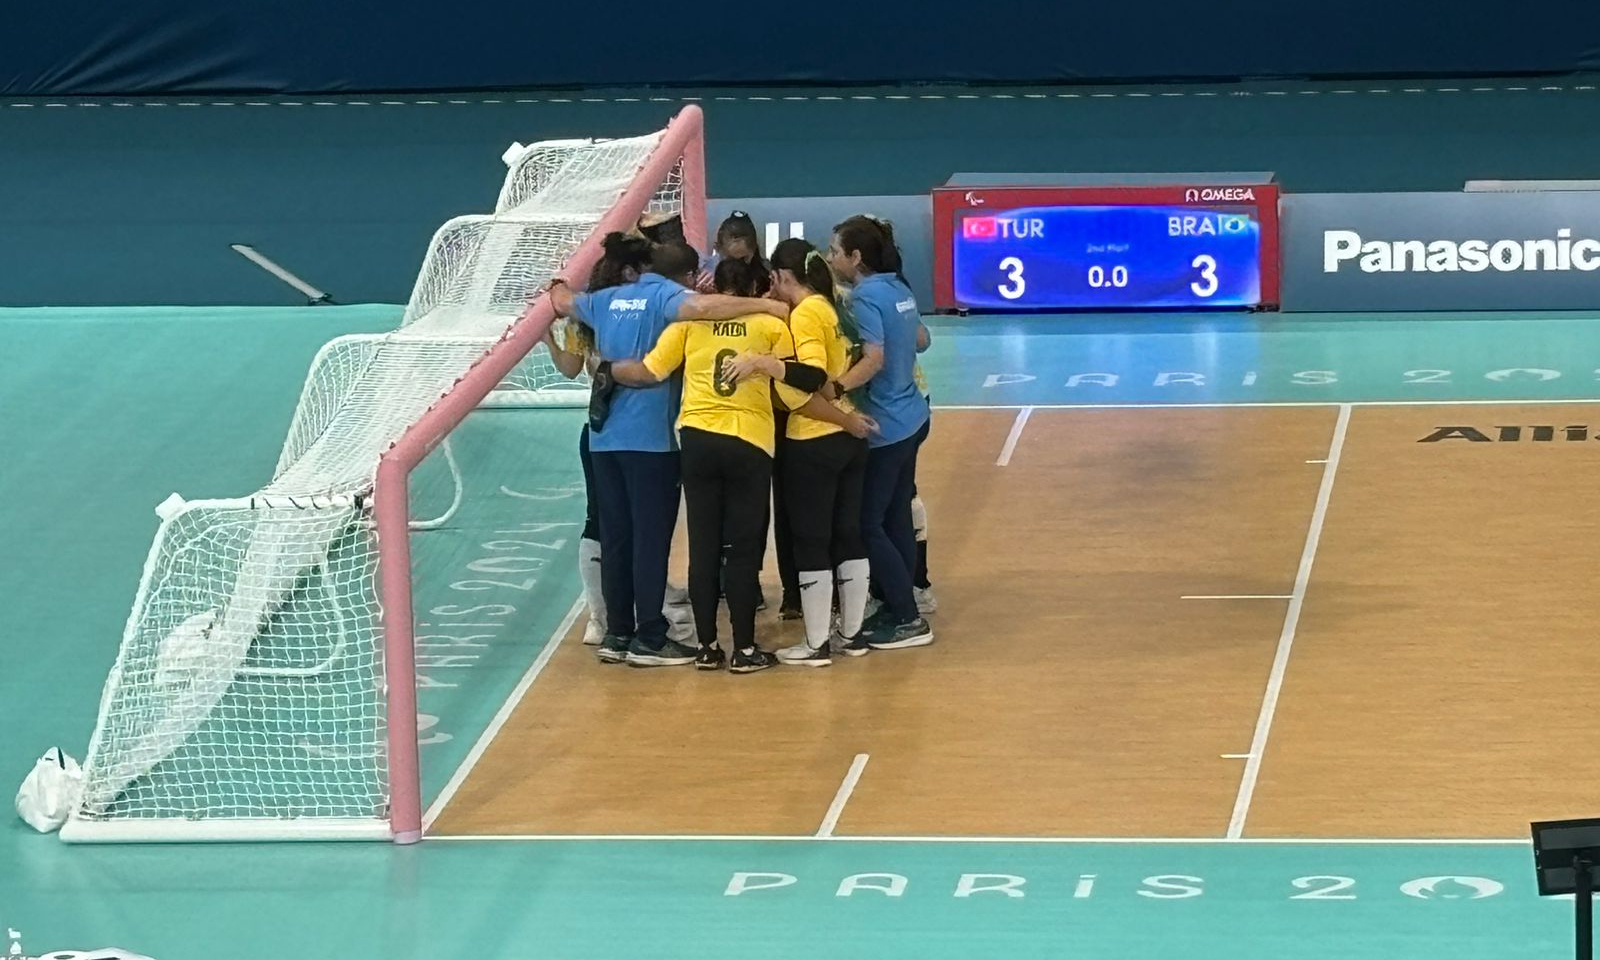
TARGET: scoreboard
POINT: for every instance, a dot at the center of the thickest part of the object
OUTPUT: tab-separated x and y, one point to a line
1183	246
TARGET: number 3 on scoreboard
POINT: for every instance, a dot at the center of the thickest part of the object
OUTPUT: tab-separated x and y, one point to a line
1013	268
1207	284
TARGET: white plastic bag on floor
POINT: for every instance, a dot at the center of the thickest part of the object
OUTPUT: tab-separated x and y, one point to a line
50	792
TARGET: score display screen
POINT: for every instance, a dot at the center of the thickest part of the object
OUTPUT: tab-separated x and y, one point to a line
999	255
1109	257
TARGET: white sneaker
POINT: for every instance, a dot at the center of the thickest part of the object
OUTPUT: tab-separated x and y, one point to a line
593	632
801	655
926	602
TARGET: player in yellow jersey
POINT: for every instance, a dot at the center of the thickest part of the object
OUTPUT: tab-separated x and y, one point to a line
726	434
824	463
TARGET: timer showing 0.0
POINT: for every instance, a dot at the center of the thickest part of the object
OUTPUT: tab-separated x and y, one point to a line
1107	257
1015	284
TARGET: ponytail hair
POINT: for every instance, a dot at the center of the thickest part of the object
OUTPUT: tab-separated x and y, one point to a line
874	239
802	259
739	226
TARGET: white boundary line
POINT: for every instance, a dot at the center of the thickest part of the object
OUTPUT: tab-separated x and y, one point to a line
842	797
1237	596
1128	841
1291	620
1012	438
974	93
1510	401
500	718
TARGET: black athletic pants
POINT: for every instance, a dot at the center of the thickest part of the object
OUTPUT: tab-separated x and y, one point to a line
638	495
726	484
591	507
822	486
782	537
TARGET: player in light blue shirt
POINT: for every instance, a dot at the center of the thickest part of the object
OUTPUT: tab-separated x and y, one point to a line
887	319
634	445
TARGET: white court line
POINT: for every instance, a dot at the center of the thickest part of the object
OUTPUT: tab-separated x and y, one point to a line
500	718
1012	438
1291	619
1236	596
842	797
1263	403
755	98
1129	841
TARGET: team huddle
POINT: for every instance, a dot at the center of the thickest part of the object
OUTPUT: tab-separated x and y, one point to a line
750	384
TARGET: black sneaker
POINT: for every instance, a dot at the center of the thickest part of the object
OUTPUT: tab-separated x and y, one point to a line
710	658
614	648
789	609
751	659
669	654
855	646
912	633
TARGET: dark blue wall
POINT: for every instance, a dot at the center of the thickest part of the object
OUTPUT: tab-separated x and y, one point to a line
75	47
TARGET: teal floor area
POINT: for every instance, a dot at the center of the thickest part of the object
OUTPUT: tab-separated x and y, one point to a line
106	412
847	899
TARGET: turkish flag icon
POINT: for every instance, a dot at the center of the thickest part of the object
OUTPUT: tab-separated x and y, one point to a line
979	228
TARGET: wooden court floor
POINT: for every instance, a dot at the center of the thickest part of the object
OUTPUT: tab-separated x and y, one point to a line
1288	621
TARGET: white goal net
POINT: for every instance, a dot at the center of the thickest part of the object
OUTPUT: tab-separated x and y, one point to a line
248	695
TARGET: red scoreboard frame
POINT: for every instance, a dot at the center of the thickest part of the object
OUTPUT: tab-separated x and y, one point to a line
949	202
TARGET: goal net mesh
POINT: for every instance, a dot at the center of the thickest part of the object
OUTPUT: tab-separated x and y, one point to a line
249	683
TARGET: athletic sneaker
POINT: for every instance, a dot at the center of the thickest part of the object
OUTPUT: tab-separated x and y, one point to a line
789	609
926	602
802	655
855	646
751	659
710	658
614	648
669	654
878	619
913	633
593	633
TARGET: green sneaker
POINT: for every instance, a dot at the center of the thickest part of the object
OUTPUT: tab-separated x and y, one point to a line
614	648
892	636
669	654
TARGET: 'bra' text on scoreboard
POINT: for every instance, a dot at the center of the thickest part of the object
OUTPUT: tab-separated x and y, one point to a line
1110	255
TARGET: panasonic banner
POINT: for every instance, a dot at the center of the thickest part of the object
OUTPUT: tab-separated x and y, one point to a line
812	218
1441	251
